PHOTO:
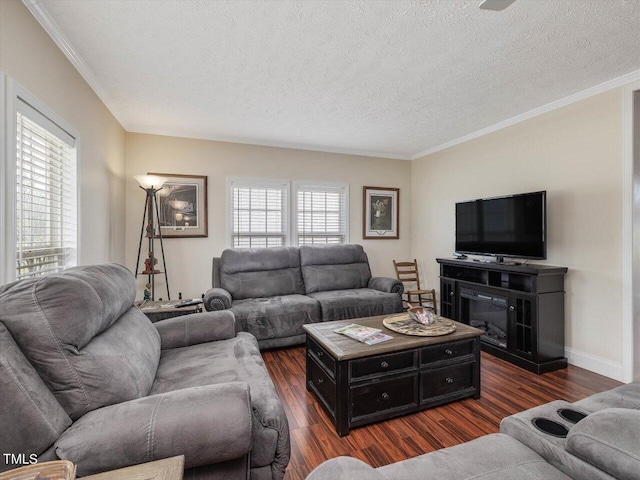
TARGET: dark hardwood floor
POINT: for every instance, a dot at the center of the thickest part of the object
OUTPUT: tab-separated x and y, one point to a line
506	389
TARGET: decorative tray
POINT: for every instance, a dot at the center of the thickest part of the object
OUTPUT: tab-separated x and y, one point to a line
402	323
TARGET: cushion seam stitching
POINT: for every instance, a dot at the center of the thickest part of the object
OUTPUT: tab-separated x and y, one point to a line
59	345
150	434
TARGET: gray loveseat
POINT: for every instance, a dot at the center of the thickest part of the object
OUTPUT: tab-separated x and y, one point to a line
85	376
274	291
603	446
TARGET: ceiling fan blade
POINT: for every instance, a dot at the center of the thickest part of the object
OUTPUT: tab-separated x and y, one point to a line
496	5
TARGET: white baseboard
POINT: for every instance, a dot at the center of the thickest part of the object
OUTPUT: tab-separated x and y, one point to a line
594	364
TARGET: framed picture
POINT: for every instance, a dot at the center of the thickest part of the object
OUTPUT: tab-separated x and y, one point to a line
381	213
182	206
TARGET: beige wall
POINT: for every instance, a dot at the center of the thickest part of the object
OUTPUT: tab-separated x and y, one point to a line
189	259
575	154
32	59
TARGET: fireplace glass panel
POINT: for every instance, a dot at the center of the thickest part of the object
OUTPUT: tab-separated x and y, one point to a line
489	317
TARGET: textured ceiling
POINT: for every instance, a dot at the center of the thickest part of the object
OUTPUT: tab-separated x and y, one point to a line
386	77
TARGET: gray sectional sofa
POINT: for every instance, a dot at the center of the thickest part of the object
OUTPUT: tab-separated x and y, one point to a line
274	291
605	445
85	376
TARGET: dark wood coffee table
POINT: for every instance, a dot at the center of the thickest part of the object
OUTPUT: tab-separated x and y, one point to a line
358	384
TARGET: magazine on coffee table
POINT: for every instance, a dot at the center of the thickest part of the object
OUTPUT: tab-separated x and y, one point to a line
366	335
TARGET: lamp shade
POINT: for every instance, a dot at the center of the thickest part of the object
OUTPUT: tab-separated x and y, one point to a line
150	181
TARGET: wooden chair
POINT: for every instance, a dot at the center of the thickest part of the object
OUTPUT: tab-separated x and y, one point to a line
408	272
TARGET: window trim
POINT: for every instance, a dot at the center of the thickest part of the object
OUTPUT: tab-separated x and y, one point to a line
294	206
258	182
4	152
14	93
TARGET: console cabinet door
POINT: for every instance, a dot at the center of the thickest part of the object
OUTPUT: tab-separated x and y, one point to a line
448	299
522	326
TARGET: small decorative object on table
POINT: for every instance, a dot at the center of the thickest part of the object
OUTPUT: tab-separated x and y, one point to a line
147	292
421	315
56	470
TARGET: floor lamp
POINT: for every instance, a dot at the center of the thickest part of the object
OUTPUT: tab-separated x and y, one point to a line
151	184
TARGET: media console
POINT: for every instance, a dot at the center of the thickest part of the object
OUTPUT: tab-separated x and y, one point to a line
520	307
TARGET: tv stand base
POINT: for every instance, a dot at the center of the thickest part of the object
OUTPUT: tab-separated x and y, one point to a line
535	367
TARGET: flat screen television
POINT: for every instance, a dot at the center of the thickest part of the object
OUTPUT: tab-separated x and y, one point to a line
510	226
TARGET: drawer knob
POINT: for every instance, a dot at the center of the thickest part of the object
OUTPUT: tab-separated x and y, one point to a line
449	380
384	365
320	381
319	353
385	396
448	352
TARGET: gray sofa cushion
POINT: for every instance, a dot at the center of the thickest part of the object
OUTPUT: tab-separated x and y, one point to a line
31	418
625	396
610	440
74	330
234	360
206	424
344	468
334	267
261	272
355	303
492	457
275	317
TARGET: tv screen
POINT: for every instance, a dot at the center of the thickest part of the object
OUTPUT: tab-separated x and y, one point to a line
512	226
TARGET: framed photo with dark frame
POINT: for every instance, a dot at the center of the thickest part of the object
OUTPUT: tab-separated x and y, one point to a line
182	206
381	213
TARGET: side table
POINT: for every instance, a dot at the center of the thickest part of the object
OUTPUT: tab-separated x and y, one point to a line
165	469
161	310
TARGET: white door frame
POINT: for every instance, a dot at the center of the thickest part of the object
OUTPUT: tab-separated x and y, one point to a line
630	229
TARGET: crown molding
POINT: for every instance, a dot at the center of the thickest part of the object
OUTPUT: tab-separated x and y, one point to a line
269	143
563	102
51	27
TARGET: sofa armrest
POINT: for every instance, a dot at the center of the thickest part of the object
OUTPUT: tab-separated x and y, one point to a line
344	468
217	299
608	440
207	425
196	328
387	285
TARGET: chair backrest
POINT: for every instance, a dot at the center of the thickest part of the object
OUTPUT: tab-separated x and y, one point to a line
259	272
83	336
334	267
407	272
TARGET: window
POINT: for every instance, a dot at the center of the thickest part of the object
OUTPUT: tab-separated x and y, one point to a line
45	196
321	213
259	213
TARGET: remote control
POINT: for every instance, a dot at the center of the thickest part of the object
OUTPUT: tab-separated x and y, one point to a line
459	255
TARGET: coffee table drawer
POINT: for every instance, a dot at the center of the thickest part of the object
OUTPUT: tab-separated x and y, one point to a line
449	351
324	386
446	380
321	355
380	397
381	364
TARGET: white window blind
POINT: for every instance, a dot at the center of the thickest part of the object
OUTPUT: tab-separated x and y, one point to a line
321	213
46	203
259	213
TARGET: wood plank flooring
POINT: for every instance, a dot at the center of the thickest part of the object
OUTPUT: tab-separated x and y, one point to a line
506	389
